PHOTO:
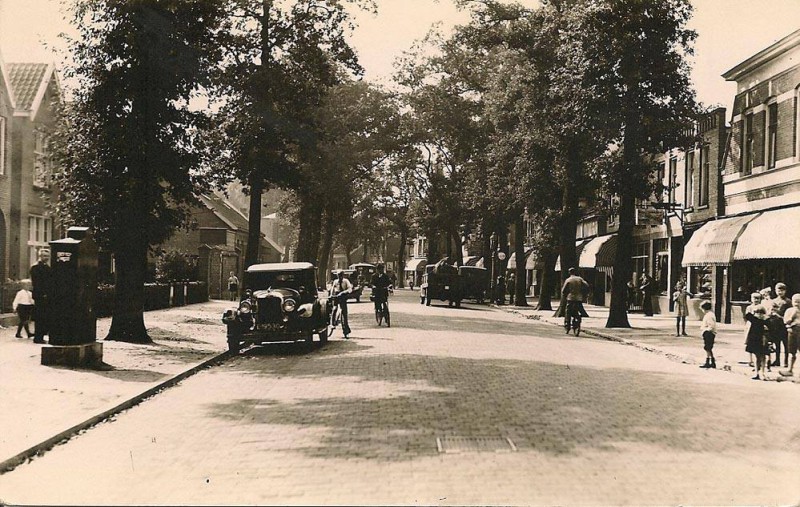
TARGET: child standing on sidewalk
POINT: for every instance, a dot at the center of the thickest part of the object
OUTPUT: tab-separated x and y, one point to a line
681	298
792	320
23	306
708	327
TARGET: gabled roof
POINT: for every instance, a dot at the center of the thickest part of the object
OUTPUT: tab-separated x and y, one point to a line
232	217
763	56
6	80
29	82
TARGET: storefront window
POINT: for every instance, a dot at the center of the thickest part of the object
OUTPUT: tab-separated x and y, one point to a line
701	282
754	275
661	264
641	254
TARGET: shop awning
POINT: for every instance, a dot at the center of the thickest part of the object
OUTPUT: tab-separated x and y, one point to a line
530	260
714	243
416	264
471	260
599	252
771	235
578	250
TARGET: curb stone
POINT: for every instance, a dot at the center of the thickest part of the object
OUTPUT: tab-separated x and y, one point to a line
42	447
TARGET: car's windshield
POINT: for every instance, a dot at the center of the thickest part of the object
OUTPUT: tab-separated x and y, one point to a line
260	280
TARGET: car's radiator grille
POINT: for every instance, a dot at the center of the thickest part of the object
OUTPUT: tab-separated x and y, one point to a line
269	310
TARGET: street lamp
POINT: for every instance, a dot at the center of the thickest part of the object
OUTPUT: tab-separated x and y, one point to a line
493	251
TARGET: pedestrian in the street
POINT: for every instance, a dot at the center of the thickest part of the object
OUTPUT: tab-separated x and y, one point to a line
411	281
647	294
681	298
510	288
777	329
42	281
708	328
23	306
756	342
340	289
233	286
500	290
792	321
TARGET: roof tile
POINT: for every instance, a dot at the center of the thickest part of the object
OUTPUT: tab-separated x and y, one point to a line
26	78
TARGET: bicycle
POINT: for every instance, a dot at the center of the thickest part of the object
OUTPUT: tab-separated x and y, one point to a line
336	315
382	309
573	318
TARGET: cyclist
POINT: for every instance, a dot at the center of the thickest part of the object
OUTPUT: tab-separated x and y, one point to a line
573	290
380	284
340	288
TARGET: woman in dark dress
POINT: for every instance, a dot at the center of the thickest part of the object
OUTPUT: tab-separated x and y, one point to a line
756	342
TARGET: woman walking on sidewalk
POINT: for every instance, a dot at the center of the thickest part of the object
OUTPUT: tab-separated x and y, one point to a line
23	306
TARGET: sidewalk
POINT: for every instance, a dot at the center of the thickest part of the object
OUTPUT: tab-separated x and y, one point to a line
657	334
42	405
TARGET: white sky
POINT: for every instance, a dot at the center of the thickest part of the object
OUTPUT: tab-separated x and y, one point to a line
729	31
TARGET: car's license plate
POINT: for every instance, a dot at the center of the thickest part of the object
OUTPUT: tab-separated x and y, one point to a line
446	287
272	326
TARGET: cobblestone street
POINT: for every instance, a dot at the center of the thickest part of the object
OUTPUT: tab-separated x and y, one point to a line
539	417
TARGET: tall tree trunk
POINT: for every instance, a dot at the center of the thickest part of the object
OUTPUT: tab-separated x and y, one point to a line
326	248
127	322
433	255
519	252
310	226
548	279
254	224
623	269
569	221
457	244
401	258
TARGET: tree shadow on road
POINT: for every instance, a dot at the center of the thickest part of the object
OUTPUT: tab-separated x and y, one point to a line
458	321
393	407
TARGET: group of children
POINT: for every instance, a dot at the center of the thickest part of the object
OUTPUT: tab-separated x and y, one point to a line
772	322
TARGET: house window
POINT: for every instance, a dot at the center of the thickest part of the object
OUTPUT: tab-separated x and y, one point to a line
690	172
747	145
42	160
661	175
772	135
2	145
39	235
705	172
673	179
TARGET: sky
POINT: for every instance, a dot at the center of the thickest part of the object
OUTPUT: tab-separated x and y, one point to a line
729	31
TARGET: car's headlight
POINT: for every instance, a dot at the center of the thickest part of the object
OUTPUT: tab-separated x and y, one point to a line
245	307
289	305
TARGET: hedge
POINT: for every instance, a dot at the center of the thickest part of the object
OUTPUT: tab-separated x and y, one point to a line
156	296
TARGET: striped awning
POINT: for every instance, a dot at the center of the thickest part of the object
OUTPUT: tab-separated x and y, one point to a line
471	260
579	244
714	243
598	252
416	264
771	235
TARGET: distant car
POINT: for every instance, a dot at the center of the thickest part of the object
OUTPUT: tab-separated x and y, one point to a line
281	303
350	275
475	283
362	274
441	281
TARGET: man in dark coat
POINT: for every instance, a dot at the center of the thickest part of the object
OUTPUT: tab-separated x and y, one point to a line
42	280
647	287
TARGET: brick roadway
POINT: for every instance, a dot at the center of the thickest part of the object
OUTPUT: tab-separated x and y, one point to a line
356	422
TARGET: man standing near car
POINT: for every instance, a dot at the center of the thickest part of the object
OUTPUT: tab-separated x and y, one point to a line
340	289
42	280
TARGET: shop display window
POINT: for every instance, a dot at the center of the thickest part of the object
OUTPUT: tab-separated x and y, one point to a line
701	282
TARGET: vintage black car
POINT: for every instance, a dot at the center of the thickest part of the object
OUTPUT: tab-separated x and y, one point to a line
441	281
475	282
357	291
281	303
